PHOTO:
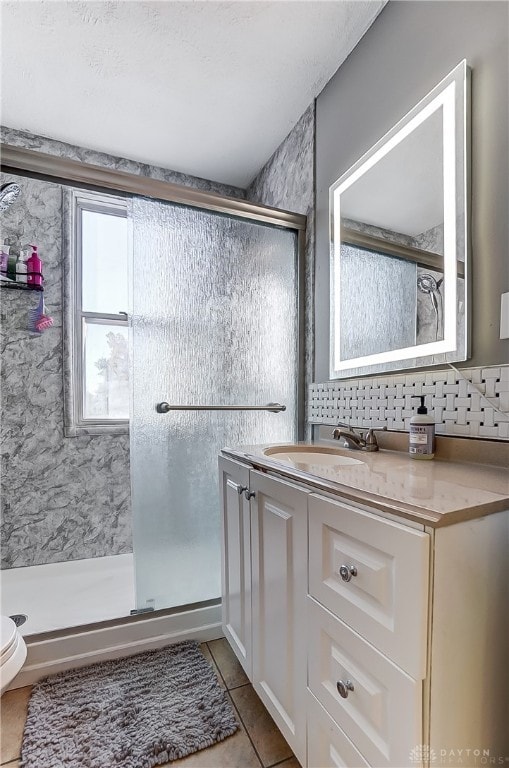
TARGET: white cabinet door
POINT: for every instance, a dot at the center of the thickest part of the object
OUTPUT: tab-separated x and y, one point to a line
279	587
236	559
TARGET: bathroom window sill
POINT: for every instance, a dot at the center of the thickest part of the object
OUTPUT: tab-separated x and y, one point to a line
95	429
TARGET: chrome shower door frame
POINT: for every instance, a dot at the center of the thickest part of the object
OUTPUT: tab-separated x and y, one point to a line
73	172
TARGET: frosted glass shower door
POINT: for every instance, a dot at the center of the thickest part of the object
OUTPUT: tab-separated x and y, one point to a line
214	322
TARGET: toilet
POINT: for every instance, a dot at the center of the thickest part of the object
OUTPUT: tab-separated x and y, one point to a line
13	652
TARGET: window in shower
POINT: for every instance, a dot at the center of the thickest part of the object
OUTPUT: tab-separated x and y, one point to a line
98	338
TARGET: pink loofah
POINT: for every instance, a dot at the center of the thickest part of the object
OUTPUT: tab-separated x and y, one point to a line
38	321
43	322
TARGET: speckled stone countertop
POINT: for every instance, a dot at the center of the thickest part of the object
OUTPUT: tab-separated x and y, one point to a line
434	493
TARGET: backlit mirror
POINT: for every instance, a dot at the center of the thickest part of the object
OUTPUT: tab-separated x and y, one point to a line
399	245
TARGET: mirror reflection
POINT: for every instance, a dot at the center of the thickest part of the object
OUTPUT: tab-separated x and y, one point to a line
397	291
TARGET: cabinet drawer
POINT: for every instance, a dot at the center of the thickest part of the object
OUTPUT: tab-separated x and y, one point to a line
386	600
328	746
382	714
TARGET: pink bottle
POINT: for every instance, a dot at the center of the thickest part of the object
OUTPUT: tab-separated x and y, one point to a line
34	268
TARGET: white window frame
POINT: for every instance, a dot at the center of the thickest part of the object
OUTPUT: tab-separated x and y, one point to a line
76	317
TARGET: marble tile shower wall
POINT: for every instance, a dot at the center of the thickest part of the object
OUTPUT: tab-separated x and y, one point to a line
460	404
62	498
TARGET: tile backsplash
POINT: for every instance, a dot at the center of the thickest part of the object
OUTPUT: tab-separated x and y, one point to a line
456	401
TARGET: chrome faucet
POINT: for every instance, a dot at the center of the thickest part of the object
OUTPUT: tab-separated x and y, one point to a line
358	441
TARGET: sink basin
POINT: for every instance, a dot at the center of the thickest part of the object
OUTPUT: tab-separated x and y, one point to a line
310	456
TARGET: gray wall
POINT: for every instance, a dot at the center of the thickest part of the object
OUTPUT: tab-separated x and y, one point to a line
408	50
63	498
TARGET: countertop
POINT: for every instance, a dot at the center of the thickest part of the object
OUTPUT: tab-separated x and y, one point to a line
434	493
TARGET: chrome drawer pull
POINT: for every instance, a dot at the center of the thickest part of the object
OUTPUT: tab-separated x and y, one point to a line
347	571
344	687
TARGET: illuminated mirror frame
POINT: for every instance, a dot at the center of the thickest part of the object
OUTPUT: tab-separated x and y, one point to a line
452	95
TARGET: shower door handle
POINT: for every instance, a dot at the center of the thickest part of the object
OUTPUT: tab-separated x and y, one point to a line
272	407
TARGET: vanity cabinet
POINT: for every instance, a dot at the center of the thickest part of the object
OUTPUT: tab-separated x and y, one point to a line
375	640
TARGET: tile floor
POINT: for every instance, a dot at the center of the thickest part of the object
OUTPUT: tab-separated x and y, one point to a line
257	744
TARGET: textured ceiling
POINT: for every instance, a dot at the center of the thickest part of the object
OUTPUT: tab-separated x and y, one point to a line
206	88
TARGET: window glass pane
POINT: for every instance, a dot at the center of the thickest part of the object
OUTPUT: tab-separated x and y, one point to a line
104	262
106	371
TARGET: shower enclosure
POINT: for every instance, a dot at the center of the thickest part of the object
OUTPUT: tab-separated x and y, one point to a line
215	347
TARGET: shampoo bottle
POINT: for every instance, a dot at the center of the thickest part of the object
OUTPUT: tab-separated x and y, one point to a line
422	434
34	265
21	270
11	265
4	259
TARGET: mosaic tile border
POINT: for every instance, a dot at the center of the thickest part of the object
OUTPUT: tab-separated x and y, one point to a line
453	399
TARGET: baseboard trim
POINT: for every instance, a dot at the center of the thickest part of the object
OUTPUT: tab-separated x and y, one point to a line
80	648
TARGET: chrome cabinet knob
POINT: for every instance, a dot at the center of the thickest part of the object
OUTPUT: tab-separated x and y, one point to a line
249	494
347	571
344	688
241	489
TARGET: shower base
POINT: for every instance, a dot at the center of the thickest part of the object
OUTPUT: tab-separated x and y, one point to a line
61	595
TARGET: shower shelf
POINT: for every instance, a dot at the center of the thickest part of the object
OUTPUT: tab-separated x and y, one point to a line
20	286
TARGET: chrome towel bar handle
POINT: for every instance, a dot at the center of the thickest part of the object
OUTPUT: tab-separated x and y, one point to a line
272	407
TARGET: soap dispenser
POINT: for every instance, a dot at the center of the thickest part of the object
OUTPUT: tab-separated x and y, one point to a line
422	434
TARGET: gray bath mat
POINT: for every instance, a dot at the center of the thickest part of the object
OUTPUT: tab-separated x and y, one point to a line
137	712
